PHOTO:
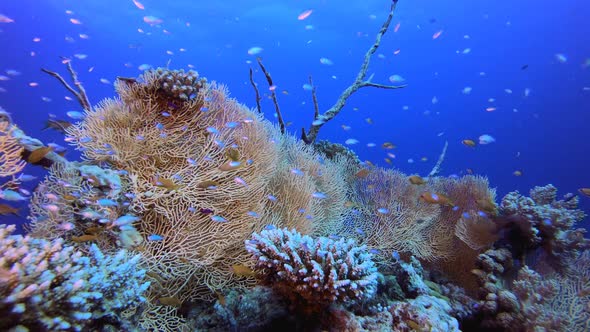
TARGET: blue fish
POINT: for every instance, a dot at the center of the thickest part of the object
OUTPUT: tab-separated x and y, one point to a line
106	202
218	219
270	227
155	237
319	195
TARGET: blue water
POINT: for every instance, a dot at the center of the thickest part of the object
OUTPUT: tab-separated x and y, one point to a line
545	135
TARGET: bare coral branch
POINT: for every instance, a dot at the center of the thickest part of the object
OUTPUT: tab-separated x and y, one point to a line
360	82
80	94
436	169
273	95
258	108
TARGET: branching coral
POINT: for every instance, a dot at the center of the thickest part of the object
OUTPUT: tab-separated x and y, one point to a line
46	285
314	272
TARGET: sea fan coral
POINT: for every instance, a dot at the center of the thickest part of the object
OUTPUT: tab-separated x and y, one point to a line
46	285
314	272
10	151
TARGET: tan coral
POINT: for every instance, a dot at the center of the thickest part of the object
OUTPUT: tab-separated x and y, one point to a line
10	151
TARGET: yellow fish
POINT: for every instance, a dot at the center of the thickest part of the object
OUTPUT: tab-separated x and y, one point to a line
170	301
584	191
167	183
363	173
232	154
242	270
207	184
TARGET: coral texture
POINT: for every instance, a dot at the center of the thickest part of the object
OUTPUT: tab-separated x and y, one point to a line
48	286
314	272
10	151
547	223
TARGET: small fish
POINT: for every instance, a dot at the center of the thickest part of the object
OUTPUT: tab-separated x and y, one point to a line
416	179
383	210
363	173
242	270
155	237
232	154
38	154
297	171
240	181
469	142
167	183
218	218
305	14
6	209
486	139
584	191
351	141
517	173
5	19
152	20
388	145
486	205
205	211
253	214
11	195
106	202
84	238
138	4
76	115
254	50
271	198
523	67
125	220
207	184
326	61
230	166
319	195
435	198
395	255
170	301
26	177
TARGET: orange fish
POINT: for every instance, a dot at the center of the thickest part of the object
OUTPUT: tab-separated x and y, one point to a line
363	173
7	209
84	238
435	198
469	142
388	145
38	154
416	179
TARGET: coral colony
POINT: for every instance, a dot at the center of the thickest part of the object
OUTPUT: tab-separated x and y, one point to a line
192	212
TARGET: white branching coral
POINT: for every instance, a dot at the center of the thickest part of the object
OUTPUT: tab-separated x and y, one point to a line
48	286
315	272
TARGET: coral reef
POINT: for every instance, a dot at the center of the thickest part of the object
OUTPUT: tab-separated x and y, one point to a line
48	286
542	221
314	273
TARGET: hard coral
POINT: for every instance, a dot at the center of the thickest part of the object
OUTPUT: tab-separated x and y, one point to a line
48	286
544	222
314	273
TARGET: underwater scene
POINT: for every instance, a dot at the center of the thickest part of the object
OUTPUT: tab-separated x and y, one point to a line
303	165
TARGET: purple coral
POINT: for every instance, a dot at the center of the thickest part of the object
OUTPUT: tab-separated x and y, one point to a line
317	272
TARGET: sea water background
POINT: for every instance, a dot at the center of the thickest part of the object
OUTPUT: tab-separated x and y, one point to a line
545	135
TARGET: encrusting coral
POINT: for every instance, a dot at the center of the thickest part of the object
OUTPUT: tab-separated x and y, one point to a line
49	286
314	273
